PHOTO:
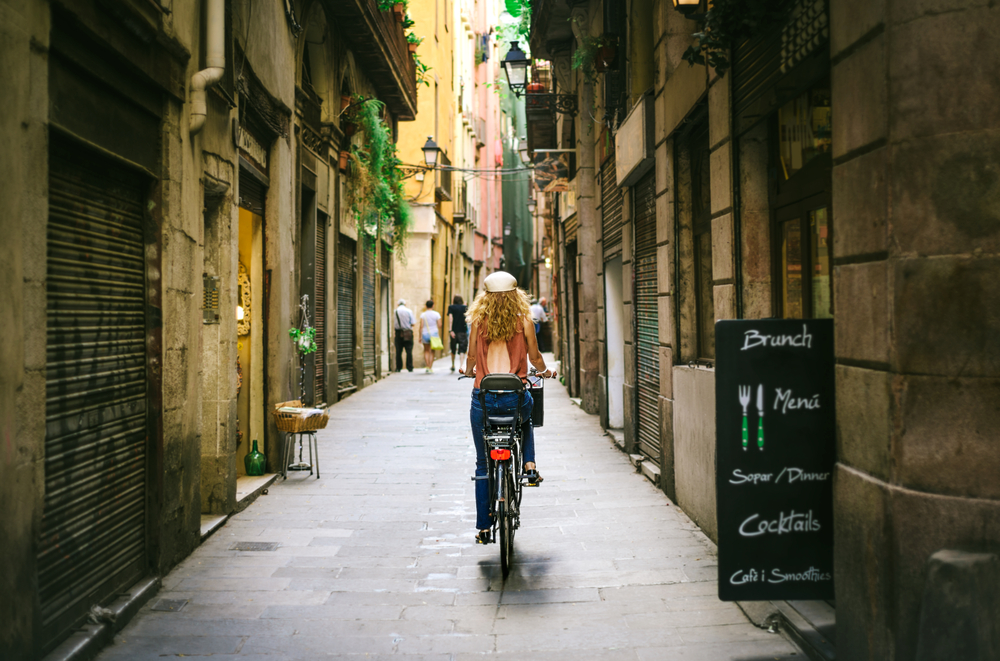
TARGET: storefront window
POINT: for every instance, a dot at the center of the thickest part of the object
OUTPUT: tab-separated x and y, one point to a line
803	150
819	241
804	129
705	298
791	268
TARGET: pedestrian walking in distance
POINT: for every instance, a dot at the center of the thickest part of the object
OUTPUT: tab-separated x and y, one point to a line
403	323
538	315
502	341
459	332
430	335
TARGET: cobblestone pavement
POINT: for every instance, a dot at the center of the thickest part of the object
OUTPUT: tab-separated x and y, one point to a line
376	559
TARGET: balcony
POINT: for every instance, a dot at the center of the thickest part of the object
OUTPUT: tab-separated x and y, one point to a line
459	211
379	47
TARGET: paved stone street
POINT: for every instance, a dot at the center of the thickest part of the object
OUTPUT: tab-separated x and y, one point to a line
376	558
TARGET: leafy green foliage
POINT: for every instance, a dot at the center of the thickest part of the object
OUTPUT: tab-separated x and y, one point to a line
305	339
585	56
423	71
375	187
726	23
387	5
412	38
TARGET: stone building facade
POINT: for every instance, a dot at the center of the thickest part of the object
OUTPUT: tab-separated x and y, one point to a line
170	178
840	168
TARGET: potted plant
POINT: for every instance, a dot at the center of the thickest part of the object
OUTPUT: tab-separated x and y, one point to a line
343	160
412	41
399	11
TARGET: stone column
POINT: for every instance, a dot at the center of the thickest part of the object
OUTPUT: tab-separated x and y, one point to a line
916	227
587	238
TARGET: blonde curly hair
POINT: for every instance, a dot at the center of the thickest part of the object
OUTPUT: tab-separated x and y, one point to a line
499	313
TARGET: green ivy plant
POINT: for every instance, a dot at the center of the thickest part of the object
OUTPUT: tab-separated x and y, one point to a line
304	339
585	56
376	196
726	23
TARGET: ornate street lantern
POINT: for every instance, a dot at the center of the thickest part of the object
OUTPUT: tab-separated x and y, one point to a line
515	65
431	150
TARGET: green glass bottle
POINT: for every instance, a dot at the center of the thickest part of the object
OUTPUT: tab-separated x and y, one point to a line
254	461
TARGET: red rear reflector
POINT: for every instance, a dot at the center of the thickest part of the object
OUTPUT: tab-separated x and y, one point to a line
500	455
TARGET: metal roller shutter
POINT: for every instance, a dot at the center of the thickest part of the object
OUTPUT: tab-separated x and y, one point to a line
611	208
319	311
368	308
647	321
93	528
570	227
345	312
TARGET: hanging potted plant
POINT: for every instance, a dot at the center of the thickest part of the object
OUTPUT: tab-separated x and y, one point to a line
399	11
412	41
607	54
343	160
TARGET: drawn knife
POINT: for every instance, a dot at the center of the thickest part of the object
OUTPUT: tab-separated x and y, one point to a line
760	420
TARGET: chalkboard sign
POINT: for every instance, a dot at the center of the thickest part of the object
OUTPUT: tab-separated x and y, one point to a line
775	419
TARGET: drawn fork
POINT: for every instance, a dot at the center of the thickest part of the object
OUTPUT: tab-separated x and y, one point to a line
745	401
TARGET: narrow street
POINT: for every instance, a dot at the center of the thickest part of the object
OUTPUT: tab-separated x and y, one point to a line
376	558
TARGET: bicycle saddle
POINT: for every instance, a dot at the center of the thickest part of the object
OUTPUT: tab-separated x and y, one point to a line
500	420
504	382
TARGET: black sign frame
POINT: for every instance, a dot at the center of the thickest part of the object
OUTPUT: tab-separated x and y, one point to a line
774	472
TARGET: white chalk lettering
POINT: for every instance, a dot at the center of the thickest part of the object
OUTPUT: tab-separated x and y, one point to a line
783	525
793	475
786	401
753	478
741	577
753	338
811	575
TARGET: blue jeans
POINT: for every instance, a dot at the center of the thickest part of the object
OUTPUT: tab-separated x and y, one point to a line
496	405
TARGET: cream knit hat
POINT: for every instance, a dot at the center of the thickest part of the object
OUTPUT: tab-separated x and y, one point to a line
500	281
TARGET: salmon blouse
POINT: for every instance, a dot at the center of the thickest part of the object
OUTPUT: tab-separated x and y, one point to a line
517	350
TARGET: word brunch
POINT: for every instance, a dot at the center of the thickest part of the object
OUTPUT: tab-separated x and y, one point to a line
754	338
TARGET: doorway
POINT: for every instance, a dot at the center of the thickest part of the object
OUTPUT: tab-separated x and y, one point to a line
250	332
615	319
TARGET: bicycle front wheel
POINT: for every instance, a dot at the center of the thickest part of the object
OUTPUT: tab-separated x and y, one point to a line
506	521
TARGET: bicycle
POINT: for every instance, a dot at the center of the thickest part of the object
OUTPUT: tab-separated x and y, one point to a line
502	435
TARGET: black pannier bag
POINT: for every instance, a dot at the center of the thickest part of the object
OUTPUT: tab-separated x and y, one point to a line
537	395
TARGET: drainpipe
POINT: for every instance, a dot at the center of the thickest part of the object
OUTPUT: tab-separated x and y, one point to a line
215	46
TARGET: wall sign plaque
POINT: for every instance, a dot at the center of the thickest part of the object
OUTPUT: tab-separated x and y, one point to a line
775	451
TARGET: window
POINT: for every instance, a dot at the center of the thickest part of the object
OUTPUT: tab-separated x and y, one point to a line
802	208
701	222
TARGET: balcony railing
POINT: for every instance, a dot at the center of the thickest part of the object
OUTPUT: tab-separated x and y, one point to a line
460	212
379	45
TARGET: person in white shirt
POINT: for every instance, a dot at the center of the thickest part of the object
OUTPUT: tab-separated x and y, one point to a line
538	315
403	323
430	326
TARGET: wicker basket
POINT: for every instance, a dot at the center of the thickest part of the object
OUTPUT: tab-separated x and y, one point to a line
288	421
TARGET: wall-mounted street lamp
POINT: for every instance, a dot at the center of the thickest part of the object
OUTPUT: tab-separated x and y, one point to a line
689	8
522	149
515	65
531	207
431	151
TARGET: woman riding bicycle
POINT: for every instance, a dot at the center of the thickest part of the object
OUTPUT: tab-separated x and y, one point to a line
501	341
